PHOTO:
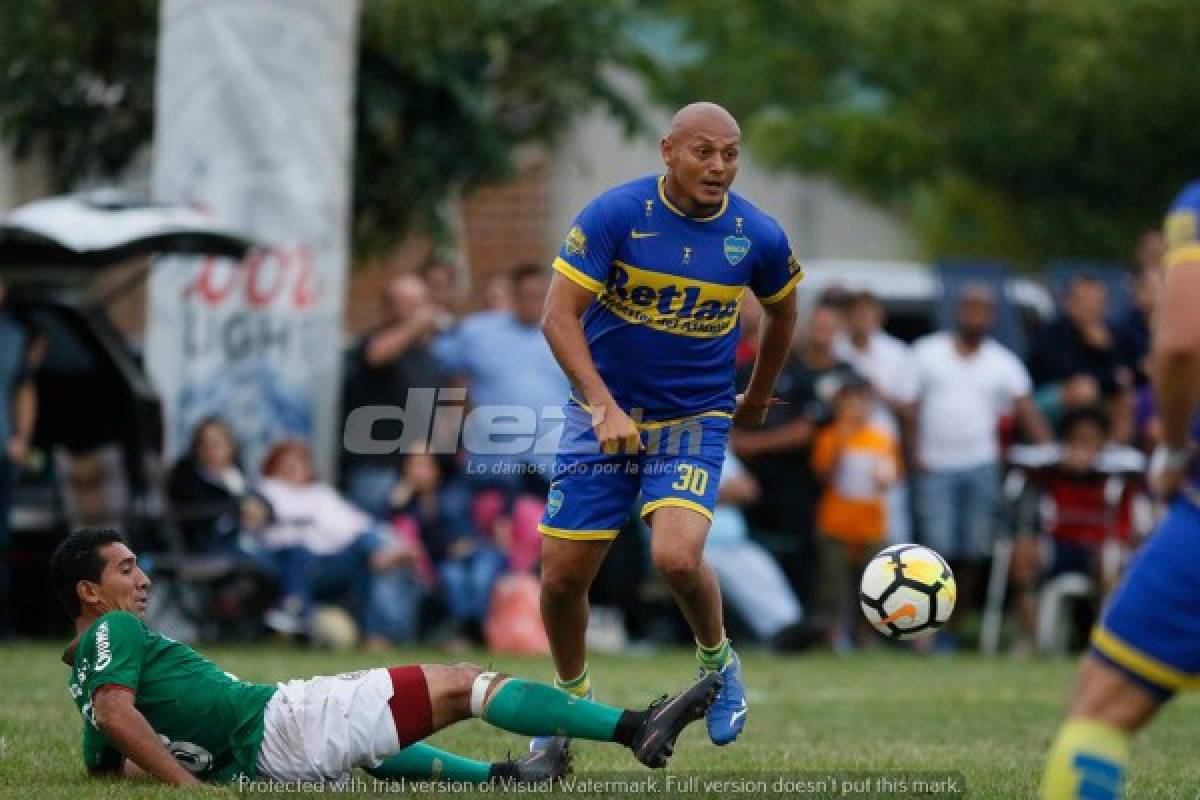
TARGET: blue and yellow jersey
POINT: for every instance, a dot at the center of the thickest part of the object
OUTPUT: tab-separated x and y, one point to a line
1181	228
1182	234
664	325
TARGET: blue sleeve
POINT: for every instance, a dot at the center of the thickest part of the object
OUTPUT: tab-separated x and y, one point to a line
777	271
1180	230
591	245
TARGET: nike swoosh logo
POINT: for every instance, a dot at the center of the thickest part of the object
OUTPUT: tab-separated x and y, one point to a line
643	234
904	611
741	712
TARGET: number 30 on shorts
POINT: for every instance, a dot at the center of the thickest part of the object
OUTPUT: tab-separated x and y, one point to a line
691	479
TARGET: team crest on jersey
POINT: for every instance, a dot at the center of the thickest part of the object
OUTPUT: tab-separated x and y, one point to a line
794	266
554	501
736	248
576	242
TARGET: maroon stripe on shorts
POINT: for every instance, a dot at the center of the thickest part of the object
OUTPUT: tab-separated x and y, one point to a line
412	712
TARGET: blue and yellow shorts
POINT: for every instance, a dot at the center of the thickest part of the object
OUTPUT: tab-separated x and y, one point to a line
592	492
1151	627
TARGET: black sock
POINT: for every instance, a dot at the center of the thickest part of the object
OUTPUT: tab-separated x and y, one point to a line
628	726
503	770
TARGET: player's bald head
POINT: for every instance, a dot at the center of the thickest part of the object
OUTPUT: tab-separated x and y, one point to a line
703	117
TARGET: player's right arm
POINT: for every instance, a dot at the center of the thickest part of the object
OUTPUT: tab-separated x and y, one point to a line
131	734
580	272
565	303
1175	355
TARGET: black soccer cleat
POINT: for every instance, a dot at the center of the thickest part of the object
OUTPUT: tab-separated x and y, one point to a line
667	717
550	763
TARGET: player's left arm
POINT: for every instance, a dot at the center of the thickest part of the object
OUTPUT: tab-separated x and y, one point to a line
774	282
779	325
1175	353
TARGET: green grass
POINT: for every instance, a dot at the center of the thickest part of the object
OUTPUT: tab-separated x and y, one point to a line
988	719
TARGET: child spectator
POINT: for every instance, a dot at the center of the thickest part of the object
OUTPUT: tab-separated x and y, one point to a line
467	564
1078	507
857	462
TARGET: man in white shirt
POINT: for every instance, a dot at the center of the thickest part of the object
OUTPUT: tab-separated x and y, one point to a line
887	364
967	383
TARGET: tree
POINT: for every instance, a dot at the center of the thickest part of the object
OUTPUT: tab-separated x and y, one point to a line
77	81
446	91
1022	129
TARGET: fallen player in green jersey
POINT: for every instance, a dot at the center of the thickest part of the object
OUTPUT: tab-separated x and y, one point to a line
151	704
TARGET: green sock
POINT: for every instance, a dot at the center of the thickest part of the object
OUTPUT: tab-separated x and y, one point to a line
535	709
714	659
420	761
576	687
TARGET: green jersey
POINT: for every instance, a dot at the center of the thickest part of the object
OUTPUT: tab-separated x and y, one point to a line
210	721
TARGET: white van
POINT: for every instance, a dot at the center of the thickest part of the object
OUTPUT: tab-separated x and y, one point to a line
911	294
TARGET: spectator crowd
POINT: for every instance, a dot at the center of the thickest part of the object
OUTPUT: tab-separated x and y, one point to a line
874	441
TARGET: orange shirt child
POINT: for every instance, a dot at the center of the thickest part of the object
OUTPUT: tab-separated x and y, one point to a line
858	462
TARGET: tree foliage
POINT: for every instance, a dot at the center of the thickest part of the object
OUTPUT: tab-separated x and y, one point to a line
77	81
446	91
1023	129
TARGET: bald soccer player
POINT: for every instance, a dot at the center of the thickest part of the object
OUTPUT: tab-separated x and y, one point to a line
642	315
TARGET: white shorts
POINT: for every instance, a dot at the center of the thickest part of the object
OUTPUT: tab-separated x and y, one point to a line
319	729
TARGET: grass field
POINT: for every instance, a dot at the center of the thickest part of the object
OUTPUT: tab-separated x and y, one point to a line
988	719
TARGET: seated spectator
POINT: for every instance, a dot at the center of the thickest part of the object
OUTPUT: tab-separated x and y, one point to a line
210	497
857	461
467	565
1079	498
752	582
325	549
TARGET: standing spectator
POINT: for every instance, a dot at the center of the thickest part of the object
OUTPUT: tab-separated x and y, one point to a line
441	281
388	362
1080	343
967	383
887	364
18	411
507	365
211	499
778	454
467	565
856	461
326	549
497	293
751	580
1132	330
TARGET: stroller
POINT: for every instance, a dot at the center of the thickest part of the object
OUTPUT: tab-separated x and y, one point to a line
1071	511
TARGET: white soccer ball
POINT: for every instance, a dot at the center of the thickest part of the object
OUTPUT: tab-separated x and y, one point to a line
907	592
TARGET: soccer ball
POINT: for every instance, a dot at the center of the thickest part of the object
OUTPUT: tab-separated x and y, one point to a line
907	592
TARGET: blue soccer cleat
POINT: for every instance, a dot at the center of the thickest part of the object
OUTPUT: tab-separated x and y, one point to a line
727	715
